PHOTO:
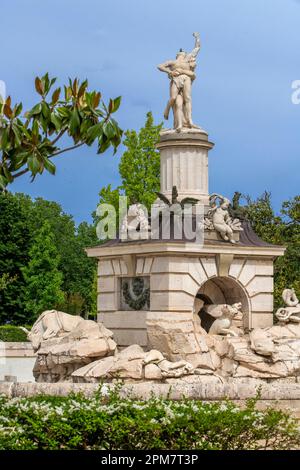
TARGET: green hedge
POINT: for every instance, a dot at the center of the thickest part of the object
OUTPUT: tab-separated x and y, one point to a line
12	334
106	421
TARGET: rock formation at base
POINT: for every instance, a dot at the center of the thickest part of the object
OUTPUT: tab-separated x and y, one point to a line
70	348
65	343
132	363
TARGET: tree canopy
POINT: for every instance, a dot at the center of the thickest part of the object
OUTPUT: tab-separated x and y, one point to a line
21	220
29	141
42	276
280	229
139	167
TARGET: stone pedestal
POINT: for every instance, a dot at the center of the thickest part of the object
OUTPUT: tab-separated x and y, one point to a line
178	272
184	163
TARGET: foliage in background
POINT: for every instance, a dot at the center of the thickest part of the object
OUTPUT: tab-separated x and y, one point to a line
106	421
139	168
140	164
5	280
20	221
15	238
42	276
10	333
29	142
283	229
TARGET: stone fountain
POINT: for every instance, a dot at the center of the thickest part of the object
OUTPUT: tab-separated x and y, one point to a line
179	308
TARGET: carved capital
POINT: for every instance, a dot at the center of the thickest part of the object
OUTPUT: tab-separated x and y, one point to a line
224	262
130	261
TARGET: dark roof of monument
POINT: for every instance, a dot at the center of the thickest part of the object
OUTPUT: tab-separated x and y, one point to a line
248	238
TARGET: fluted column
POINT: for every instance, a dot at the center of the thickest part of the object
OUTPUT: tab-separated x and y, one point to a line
184	163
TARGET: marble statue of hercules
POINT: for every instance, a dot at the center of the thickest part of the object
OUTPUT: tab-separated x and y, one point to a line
181	72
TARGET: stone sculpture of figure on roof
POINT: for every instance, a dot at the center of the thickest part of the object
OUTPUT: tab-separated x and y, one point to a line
135	224
218	218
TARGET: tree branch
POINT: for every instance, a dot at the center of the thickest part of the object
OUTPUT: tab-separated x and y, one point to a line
66	149
22	172
58	137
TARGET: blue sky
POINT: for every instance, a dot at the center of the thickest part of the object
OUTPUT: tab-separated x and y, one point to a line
242	95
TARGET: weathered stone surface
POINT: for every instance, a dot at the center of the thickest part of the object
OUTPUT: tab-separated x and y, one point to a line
221	345
174	369
153	356
268	353
65	343
183	348
134	364
198	388
152	372
173	341
202	360
132	352
229	367
94	370
261	342
127	369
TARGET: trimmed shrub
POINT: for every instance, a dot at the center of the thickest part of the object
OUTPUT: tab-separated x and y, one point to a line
106	421
10	333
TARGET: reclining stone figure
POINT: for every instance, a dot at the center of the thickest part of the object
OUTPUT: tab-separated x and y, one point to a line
65	343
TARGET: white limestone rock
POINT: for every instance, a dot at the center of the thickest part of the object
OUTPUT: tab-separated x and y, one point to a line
152	372
132	364
127	368
262	342
65	343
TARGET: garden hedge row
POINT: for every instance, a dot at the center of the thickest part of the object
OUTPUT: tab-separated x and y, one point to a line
10	333
108	422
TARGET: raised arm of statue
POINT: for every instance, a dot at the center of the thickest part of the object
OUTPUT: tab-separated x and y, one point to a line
197	46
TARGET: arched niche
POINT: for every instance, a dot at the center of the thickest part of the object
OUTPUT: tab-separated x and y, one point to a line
225	290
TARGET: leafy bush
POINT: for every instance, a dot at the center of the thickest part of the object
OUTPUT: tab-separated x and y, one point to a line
105	421
12	334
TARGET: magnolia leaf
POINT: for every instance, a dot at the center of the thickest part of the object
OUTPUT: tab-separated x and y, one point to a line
49	166
75	87
109	130
3	182
39	86
56	121
94	131
104	144
36	110
82	88
7	111
45	110
4	139
55	96
115	104
74	122
33	164
68	92
18	109
96	100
